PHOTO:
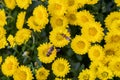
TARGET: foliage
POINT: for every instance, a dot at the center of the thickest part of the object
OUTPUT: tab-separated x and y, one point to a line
36	42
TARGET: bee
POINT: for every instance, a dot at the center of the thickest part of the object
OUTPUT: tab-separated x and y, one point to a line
50	51
66	37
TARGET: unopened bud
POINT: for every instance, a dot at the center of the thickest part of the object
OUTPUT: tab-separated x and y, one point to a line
26	53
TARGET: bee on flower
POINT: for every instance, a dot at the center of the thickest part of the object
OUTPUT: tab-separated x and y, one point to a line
59	37
46	52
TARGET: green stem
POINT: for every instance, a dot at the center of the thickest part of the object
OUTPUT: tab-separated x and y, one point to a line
10	17
33	38
1	2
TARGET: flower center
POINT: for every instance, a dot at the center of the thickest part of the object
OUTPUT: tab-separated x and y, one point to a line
81	44
115	38
22	75
117	65
118	26
72	17
35	23
59	37
57	6
41	73
104	74
114	19
86	77
40	16
10	64
61	67
84	19
109	52
96	53
59	22
92	31
45	51
71	2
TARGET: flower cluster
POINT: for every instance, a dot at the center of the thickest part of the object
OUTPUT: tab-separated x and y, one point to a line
59	40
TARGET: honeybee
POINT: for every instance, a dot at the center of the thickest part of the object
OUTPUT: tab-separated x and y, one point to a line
50	51
66	37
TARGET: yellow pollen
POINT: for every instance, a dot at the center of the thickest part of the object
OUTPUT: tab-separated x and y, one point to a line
57	6
92	31
81	44
71	2
72	17
104	74
117	66
84	19
96	53
59	22
61	67
115	38
10	64
109	52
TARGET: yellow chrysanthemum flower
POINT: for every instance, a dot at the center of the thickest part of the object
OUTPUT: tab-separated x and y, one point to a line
23	73
93	31
106	60
9	66
111	50
104	73
84	16
22	36
73	4
94	66
112	37
72	17
60	67
3	42
114	65
96	53
33	25
23	4
115	26
42	73
20	20
0	60
62	79
41	15
2	18
117	2
2	32
10	4
57	7
59	21
80	45
60	37
11	40
92	2
46	52
81	3
86	75
113	16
